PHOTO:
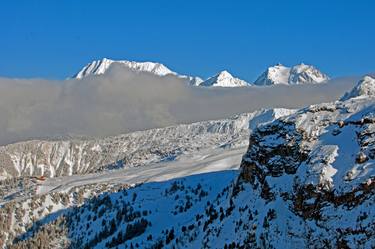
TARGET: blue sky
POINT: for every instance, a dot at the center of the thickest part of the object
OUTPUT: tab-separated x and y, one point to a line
54	39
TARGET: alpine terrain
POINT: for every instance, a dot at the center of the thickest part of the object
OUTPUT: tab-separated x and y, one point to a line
169	125
305	180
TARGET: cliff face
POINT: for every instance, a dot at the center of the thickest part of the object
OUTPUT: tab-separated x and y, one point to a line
316	169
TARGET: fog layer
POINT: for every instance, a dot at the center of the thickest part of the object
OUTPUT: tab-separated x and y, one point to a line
122	101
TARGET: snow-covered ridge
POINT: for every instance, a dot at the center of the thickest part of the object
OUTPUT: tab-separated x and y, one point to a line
365	87
99	67
325	144
224	79
312	175
298	74
75	156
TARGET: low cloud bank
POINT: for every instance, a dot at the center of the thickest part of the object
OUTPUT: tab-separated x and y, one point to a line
123	101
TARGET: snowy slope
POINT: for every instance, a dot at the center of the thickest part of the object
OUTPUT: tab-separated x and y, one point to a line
75	156
99	67
298	74
364	88
223	79
277	74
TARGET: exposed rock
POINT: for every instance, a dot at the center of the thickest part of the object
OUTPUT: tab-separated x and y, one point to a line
361	158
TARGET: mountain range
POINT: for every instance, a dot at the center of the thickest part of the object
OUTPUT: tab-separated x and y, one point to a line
274	75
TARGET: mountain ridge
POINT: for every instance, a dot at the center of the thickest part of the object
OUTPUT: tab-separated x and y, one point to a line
278	74
98	67
81	156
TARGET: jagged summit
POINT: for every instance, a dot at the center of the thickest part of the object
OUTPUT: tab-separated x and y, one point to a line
365	87
302	73
298	74
99	67
224	79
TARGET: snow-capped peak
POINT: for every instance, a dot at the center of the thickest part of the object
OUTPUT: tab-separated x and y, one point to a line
99	67
277	74
224	79
365	87
302	74
298	74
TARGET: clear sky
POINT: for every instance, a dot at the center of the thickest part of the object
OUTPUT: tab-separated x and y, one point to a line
54	39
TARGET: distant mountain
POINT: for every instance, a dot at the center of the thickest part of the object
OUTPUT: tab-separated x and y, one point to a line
298	74
224	79
274	75
99	67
